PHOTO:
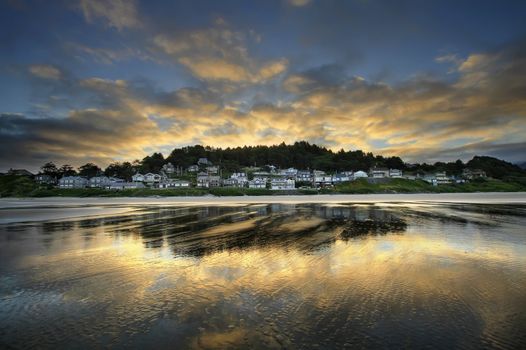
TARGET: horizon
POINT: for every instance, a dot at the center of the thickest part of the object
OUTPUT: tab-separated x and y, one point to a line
112	81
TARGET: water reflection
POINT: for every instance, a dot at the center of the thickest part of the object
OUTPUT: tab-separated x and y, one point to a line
259	276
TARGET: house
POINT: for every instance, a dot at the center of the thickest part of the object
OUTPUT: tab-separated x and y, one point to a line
193	169
102	181
282	184
204	162
379	173
303	176
359	174
442	179
233	182
321	179
125	185
339	178
290	172
242	177
206	181
173	183
258	182
212	169
151	178
430	179
395	173
73	182
471	174
168	169
138	177
19	172
45	179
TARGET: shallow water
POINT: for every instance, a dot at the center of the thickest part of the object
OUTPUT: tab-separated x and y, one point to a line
267	275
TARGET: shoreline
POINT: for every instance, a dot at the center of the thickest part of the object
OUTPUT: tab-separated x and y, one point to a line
469	198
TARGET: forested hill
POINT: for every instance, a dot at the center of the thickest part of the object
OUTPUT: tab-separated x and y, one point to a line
303	155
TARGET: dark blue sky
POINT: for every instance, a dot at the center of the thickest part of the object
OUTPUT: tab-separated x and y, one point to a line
427	79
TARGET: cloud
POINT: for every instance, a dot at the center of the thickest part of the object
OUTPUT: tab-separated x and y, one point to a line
119	14
45	71
219	54
299	3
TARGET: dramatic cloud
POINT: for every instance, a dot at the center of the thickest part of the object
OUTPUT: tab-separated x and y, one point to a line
120	14
45	71
219	53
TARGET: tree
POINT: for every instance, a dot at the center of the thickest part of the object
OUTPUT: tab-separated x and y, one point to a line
66	170
49	169
89	170
121	170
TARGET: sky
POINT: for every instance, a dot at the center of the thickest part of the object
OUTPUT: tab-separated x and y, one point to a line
113	80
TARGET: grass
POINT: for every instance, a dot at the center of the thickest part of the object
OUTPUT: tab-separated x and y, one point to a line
17	186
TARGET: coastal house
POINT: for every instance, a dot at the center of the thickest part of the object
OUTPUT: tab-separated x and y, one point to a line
471	174
102	181
205	180
303	176
290	172
282	184
45	179
19	172
233	182
168	169
395	173
138	177
151	178
212	169
379	173
73	182
193	169
204	162
174	183
258	183
442	178
242	177
125	185
322	180
339	178
359	175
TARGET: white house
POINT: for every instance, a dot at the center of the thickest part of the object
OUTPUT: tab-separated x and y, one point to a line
173	183
395	173
193	168
442	178
258	183
103	181
152	178
304	176
204	180
282	184
168	168
322	180
125	185
379	173
340	177
138	177
359	174
73	182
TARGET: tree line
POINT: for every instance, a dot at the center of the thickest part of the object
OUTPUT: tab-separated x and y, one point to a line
300	155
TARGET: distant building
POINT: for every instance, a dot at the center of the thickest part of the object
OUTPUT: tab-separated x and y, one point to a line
168	168
125	185
45	179
282	184
19	172
73	182
258	183
233	182
205	180
359	174
303	176
471	174
212	169
138	177
173	183
322	179
442	178
204	162
193	169
340	177
151	178
102	181
379	173
395	173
